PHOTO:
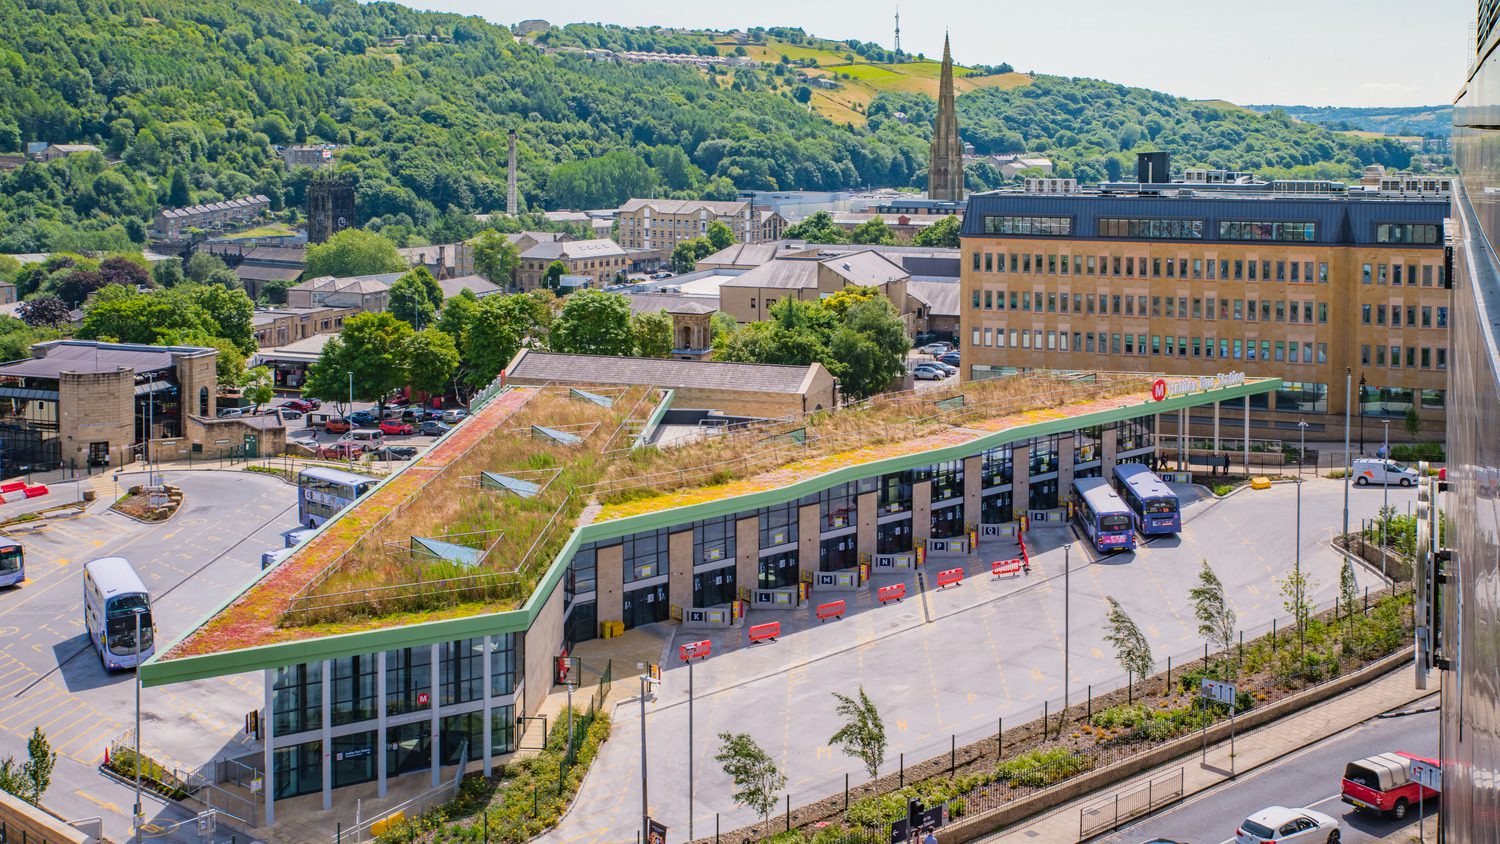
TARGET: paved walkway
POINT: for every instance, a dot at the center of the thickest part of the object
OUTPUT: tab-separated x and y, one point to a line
1252	749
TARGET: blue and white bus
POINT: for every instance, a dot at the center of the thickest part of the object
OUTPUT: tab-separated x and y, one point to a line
1103	515
1153	503
323	492
115	605
12	563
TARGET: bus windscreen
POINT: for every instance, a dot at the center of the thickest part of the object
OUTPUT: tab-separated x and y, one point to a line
10	559
120	623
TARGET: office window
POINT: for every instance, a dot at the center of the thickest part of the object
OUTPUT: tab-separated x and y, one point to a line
894	493
1156	229
504	663
1365	312
1239	270
1382	273
1129	344
1089	265
408	677
713	540
644	555
989	262
1364	277
1442	357
1208	309
1281	270
1182	311
996	466
1297	272
1051	265
1130	306
1396	275
1407	233
353	695
1035	226
1380	355
1426	275
1442	316
297	698
778	524
1252	271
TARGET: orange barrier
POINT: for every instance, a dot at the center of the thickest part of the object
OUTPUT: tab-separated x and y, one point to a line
886	594
832	609
13	486
949	577
35	491
765	632
695	650
1001	568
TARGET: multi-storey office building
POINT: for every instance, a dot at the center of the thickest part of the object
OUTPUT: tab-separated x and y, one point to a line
1183	278
1467	649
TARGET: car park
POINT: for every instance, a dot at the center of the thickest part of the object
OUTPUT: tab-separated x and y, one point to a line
1370	470
1280	825
338	425
1383	784
434	428
341	450
396	427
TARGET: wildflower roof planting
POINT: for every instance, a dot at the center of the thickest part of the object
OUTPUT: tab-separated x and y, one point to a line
442	541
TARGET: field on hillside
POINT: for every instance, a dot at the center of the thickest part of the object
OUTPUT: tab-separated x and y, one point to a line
847	104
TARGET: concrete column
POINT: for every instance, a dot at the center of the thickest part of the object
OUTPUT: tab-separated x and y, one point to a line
1216	427
809	530
680	569
1064	467
865	516
380	722
973	488
327	737
268	785
437	744
1108	445
747	553
921	512
609	602
485	735
1020	462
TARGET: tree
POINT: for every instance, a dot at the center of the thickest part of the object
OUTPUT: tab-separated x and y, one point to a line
353	252
44	310
818	227
274	291
75	285
431	358
687	253
593	322
1412	422
373	347
229	312
168	273
123	315
720	236
1131	648
121	270
495	258
1215	617
653	334
873	230
495	332
457	314
178	195
415	298
552	277
200	265
1348	590
942	233
36	772
257	386
755	776
1294	591
869	351
863	733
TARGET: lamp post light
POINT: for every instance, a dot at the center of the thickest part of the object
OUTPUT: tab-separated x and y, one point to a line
645	810
1361	416
688	653
1301	447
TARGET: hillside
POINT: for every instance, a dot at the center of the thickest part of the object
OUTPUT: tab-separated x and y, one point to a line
186	100
1434	121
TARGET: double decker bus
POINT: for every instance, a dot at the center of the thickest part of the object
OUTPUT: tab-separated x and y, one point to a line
1103	515
115	606
323	492
1152	503
12	563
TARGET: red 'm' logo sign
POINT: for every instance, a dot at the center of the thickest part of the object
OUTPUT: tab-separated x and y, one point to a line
1159	390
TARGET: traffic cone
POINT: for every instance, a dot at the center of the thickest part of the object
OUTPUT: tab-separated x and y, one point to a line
106	757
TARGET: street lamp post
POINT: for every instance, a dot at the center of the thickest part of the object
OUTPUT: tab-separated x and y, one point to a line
688	653
1361	416
350	451
1348	466
1385	492
136	818
1067	629
1301	447
645	811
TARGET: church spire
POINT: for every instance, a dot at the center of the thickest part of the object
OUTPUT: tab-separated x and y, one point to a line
945	169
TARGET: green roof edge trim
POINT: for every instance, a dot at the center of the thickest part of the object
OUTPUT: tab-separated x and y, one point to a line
159	672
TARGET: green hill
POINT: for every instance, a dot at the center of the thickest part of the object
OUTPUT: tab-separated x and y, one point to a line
1430	121
187	98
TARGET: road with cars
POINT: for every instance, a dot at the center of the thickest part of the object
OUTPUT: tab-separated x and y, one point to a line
1310	779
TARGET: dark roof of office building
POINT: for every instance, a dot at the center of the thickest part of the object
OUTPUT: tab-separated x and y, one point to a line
533	366
80	356
1341	219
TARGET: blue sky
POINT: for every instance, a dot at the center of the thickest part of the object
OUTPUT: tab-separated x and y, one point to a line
1305	52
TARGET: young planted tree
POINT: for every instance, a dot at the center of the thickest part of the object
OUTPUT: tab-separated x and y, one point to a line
258	386
36	772
1131	648
863	733
1215	617
754	774
1348	591
1294	589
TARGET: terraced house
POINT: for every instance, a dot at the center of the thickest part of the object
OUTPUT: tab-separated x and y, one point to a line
419	629
1295	280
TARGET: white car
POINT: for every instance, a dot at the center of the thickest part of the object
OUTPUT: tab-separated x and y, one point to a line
936	349
1376	471
1294	826
928	373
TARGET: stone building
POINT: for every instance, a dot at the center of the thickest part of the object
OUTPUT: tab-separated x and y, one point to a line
945	172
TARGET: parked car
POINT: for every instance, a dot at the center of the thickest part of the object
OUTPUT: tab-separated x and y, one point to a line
289	414
1383	783
434	428
394	452
1369	470
366	437
928	373
413	415
1280	825
233	412
946	368
302	405
454	415
338	425
951	358
938	348
364	418
396	427
341	450
661	275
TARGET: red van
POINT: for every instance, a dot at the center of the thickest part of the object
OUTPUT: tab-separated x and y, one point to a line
1383	784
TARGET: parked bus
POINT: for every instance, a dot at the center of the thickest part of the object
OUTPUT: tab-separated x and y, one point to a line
12	563
1104	517
322	493
1151	501
113	597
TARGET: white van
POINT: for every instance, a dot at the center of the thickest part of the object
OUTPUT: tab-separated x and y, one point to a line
367	437
1370	470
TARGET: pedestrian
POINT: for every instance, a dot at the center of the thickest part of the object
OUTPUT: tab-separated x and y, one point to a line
930	837
1226	465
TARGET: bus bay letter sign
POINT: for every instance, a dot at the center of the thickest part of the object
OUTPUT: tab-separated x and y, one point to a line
1166	388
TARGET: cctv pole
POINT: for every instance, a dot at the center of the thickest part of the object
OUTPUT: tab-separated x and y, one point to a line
1348	466
136	820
